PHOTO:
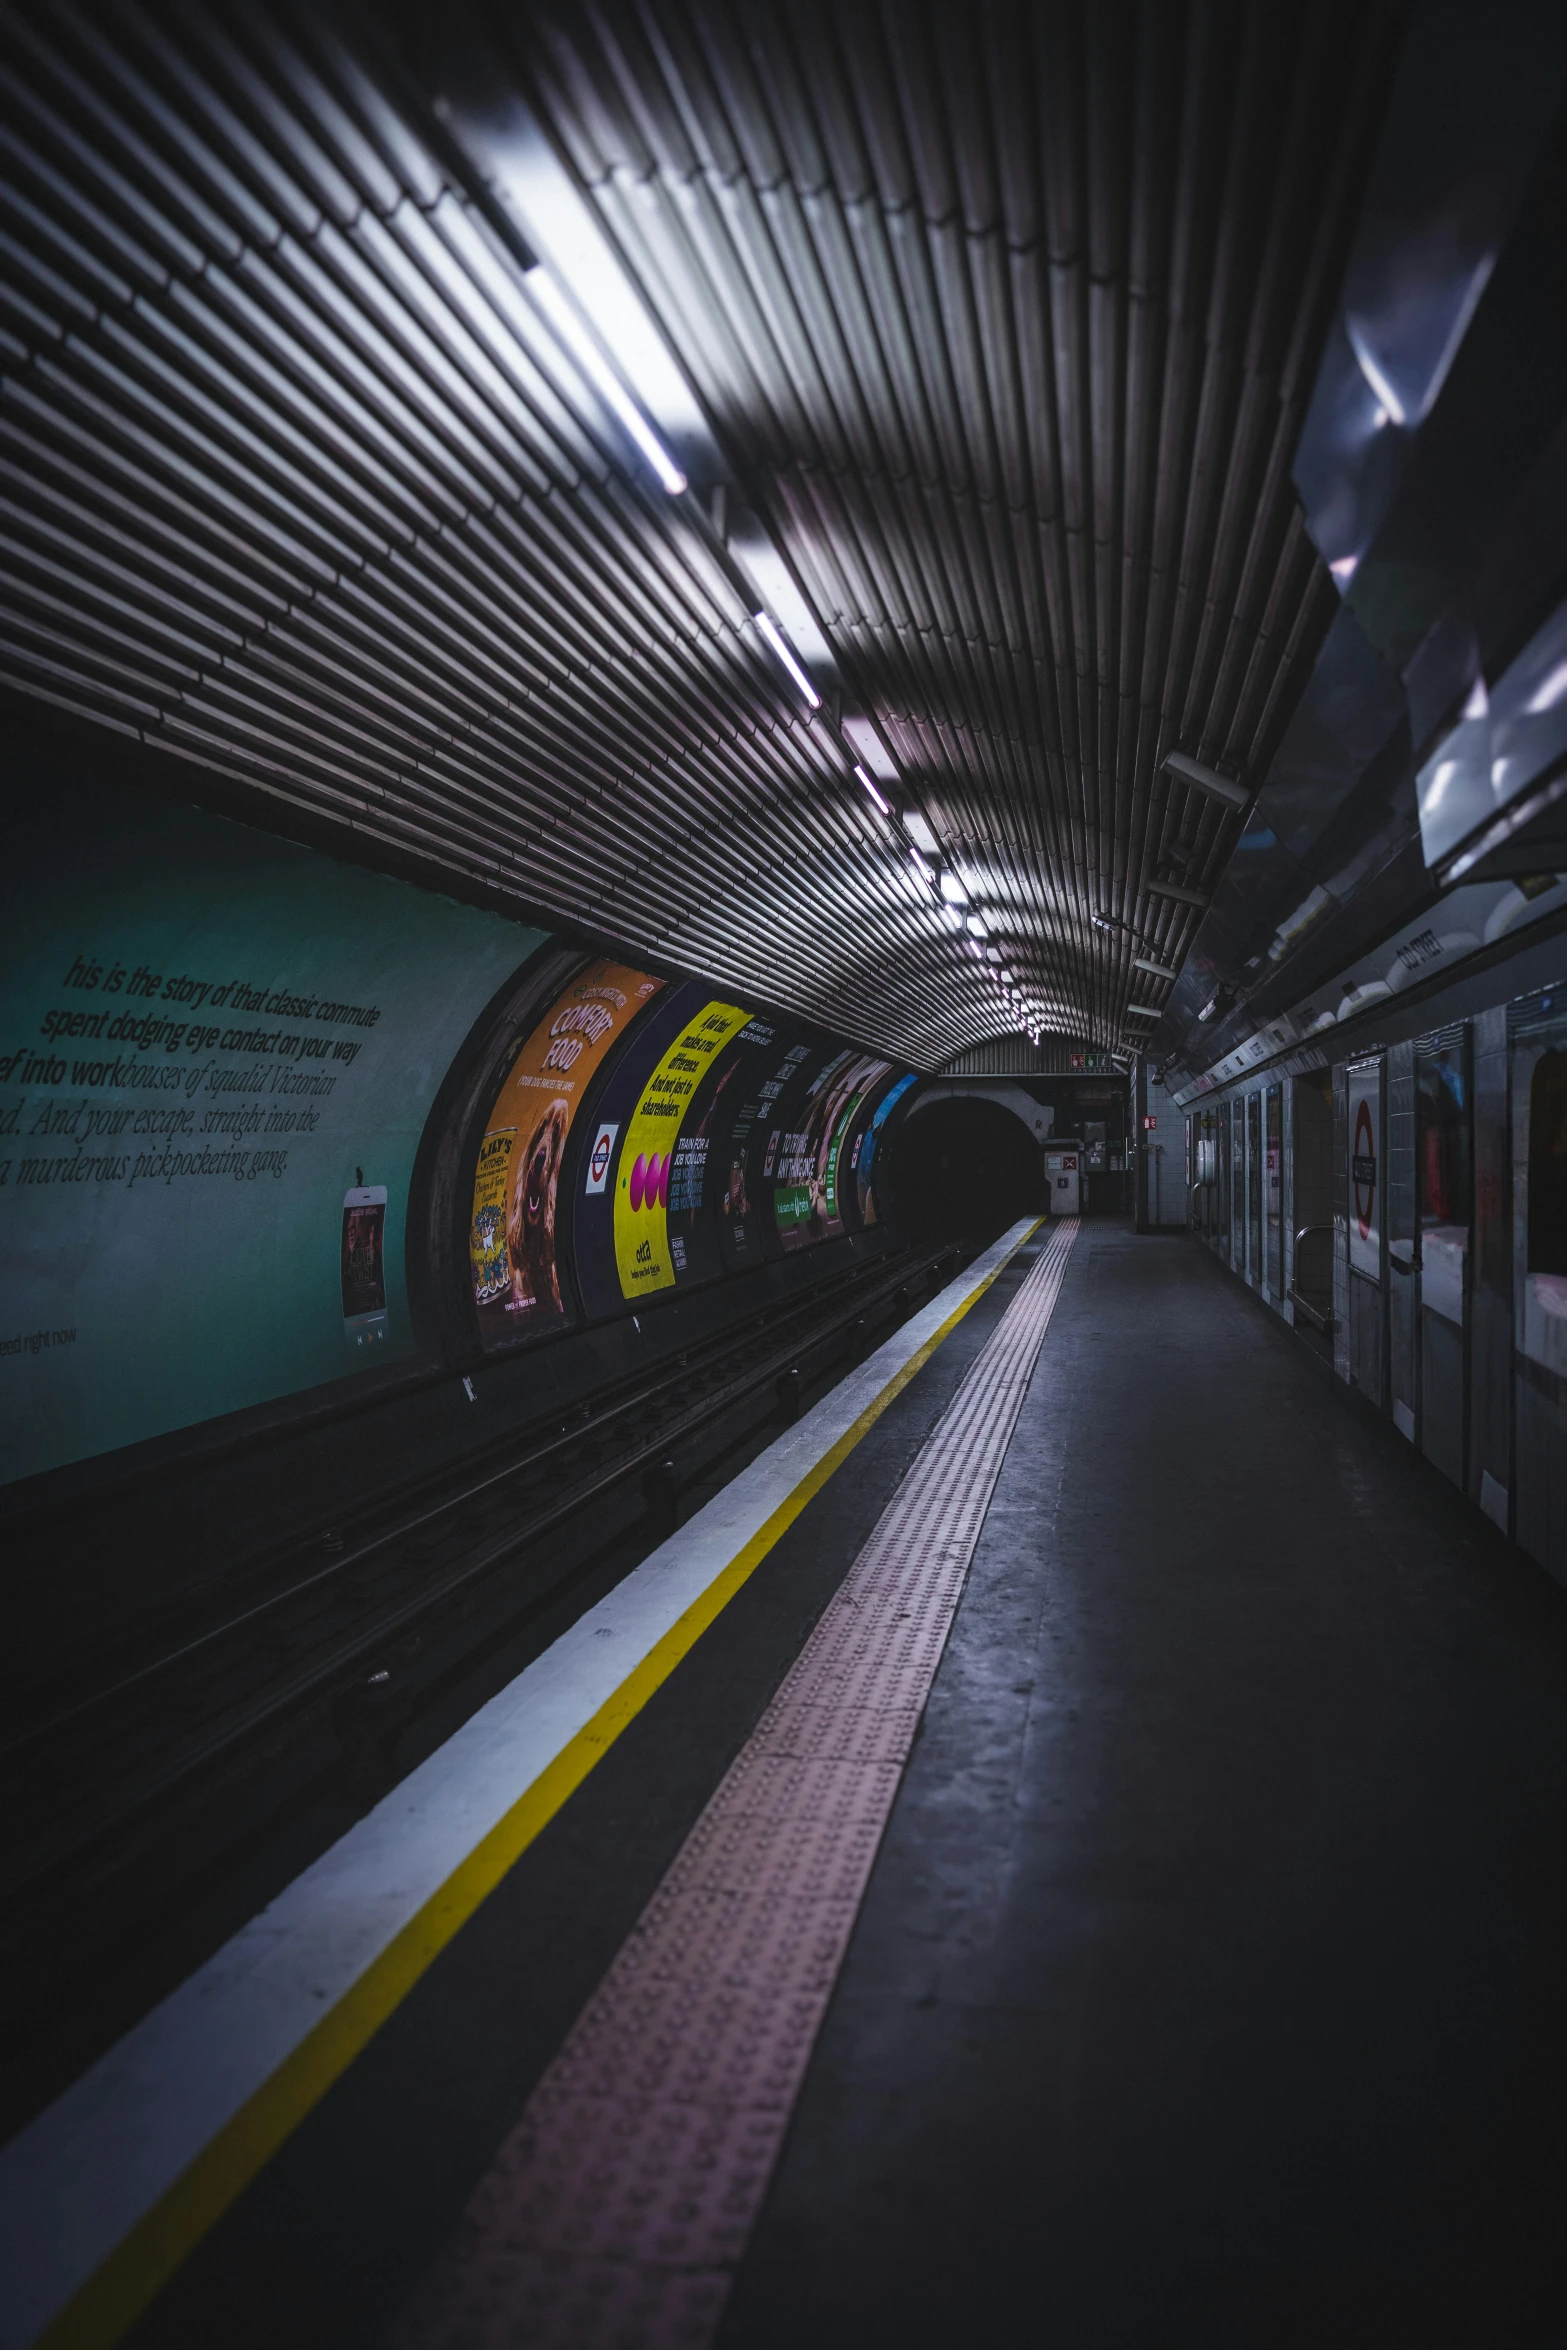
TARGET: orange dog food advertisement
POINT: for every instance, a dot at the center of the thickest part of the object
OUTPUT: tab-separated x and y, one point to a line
516	1183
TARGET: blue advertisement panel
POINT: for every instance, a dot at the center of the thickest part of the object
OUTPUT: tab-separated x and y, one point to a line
867	1147
217	1054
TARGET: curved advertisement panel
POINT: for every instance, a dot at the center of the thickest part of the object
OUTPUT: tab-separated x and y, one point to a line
702	1185
854	1126
623	1088
870	1142
643	1255
805	1164
512	1243
745	1232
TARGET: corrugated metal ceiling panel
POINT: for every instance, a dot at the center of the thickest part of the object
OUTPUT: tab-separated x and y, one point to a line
1001	320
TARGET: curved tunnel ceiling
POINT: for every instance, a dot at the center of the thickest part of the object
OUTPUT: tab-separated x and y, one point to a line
991	329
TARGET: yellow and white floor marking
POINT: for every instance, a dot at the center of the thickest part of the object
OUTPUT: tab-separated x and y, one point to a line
106	2193
619	2208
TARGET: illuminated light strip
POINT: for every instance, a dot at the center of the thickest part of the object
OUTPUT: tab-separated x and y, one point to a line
619	2207
113	2186
547	294
884	805
786	654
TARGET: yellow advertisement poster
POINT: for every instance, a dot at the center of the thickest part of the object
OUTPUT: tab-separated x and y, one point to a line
511	1246
642	1185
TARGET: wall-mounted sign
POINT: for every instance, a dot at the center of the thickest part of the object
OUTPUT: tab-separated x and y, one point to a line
364	1265
207	1032
599	1158
1365	1168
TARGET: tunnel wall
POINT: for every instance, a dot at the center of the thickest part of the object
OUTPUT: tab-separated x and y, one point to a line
213	1037
271	1123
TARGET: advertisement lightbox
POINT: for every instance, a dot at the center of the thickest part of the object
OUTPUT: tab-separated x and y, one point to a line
805	1164
512	1242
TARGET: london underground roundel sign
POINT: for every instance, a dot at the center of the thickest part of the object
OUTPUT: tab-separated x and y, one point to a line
1364	1123
1363	1171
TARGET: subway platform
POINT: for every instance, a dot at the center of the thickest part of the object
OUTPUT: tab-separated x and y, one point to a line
1065	1847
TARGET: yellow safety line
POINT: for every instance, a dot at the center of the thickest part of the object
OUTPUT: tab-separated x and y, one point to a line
120	2288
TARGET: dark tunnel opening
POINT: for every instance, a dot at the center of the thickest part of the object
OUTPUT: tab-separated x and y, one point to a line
963	1170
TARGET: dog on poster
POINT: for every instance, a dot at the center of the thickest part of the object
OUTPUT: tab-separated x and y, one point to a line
530	1227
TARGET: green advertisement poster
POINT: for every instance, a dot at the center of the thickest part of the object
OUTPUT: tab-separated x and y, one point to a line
217	1054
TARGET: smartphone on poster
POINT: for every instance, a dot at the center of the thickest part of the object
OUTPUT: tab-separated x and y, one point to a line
364	1265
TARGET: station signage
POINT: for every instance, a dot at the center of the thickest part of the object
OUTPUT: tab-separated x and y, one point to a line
1365	1150
599	1157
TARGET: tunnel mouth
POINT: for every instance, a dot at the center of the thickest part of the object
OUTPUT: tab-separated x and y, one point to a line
963	1170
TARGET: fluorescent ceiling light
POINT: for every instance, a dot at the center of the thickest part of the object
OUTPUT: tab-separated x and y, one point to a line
1381	390
1446	770
571	331
785	652
917	829
861	732
952	917
558	225
775	591
922	869
1206	779
1177	890
1143	1012
871	788
953	890
1550	693
1154	970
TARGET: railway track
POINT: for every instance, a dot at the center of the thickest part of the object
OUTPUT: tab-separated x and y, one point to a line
137	1764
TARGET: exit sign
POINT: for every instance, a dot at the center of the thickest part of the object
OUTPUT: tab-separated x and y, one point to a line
1149	1124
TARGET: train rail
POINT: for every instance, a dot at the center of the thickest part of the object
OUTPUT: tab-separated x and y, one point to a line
136	1766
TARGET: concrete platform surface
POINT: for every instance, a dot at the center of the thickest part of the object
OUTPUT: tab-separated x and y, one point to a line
1211	1984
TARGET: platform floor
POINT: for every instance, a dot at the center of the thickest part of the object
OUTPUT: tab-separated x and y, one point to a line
1211	1980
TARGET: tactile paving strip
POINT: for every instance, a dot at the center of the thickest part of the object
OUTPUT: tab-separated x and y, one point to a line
617	2211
